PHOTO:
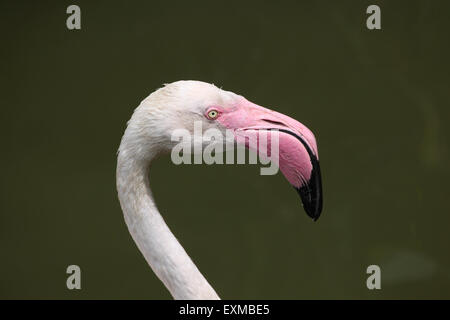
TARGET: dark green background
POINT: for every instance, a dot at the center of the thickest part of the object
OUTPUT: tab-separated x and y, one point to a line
377	102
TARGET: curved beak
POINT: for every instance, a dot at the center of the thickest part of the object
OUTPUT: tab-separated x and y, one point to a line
310	191
298	157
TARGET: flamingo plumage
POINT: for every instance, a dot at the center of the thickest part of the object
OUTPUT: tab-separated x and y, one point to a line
148	134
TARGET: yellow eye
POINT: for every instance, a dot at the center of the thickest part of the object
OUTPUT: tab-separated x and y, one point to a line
212	114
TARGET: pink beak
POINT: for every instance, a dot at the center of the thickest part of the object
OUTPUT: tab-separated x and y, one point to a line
298	156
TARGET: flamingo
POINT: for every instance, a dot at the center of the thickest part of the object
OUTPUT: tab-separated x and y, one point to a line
148	135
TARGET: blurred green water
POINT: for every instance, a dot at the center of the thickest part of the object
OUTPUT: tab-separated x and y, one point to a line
377	102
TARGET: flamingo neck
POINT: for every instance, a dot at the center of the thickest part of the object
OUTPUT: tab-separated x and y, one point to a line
153	237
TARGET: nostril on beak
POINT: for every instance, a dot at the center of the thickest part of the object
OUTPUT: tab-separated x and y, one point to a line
278	123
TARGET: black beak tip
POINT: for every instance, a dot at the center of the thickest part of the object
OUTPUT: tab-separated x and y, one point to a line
311	204
311	193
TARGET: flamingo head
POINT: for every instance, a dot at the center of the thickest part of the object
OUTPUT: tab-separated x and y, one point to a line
180	104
